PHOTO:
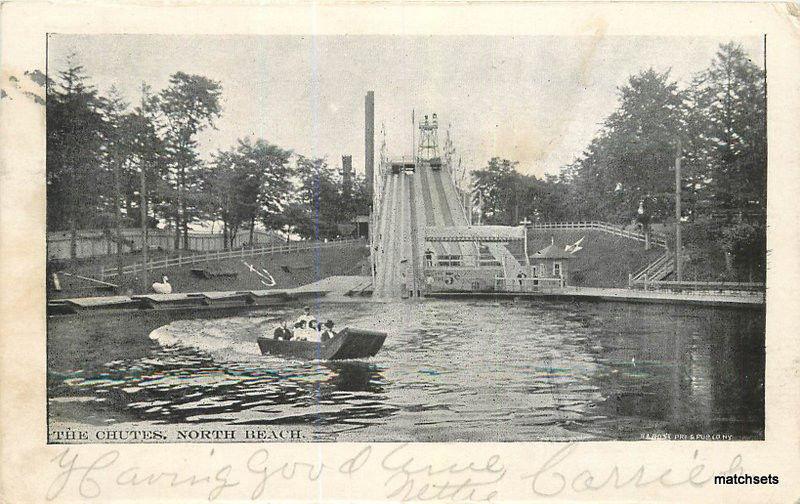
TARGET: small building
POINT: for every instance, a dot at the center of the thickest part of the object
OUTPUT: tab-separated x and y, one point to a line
362	226
550	263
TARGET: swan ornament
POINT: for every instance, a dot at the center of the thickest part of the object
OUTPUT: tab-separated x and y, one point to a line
162	287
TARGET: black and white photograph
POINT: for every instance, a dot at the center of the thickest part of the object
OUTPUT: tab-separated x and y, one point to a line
403	238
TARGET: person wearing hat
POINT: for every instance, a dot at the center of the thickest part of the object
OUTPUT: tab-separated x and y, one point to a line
283	332
327	332
305	326
303	320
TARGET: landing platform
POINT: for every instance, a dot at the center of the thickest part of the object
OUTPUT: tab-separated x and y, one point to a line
360	288
342	287
622	295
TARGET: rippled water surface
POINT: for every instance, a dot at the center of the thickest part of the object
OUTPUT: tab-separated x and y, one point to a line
482	371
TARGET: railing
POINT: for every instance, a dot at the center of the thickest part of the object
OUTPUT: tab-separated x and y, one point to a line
657	269
295	246
100	242
710	288
535	284
489	261
655	238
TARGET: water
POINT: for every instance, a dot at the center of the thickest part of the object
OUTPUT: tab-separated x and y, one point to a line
473	371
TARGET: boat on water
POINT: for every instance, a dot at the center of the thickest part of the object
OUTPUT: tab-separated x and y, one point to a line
346	344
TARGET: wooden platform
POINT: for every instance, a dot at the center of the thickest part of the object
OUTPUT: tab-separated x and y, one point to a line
334	286
755	299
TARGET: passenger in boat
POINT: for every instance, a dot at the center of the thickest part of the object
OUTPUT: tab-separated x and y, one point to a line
327	332
305	327
283	332
306	332
303	320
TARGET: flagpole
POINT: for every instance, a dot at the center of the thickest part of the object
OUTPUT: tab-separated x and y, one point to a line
413	139
678	237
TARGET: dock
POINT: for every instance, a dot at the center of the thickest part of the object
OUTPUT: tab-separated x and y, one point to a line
733	299
334	287
338	288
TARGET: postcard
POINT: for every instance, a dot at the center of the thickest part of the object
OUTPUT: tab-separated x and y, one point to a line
390	252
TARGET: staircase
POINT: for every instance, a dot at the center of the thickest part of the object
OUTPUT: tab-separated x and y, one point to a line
656	271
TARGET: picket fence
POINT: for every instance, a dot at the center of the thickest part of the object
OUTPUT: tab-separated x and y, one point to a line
274	248
94	243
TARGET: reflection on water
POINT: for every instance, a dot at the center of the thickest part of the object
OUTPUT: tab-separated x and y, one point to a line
448	371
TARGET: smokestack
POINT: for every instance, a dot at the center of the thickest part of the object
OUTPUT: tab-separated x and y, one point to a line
369	140
347	174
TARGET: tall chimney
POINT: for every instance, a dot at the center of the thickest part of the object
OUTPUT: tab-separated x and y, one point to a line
369	140
347	174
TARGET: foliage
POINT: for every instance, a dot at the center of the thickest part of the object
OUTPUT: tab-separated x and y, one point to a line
76	134
719	121
189	105
732	127
245	183
322	201
97	147
508	196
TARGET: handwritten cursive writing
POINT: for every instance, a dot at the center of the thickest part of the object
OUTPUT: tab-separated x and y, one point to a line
551	480
87	486
405	474
454	482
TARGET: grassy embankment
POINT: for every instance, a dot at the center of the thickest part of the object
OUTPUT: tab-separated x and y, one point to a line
288	270
605	261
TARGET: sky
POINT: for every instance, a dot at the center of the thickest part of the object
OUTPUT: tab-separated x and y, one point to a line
538	100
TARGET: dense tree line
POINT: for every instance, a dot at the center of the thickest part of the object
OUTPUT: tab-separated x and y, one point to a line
110	164
719	124
102	152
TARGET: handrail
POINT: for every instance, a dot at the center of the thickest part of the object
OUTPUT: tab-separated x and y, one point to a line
528	284
657	264
227	254
657	238
711	287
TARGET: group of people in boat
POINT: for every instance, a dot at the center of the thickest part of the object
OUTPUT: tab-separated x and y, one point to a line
305	328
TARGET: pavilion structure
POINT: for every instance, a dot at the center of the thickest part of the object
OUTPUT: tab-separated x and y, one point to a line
481	271
481	263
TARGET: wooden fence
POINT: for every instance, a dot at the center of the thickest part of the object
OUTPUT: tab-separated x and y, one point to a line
274	248
93	243
700	287
655	238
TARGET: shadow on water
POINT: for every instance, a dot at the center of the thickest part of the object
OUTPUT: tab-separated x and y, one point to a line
448	371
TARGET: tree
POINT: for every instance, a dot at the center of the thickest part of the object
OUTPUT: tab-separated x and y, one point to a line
219	194
746	244
508	196
75	139
732	127
266	184
498	185
319	191
116	159
144	134
244	183
721	121
631	159
189	105
732	148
